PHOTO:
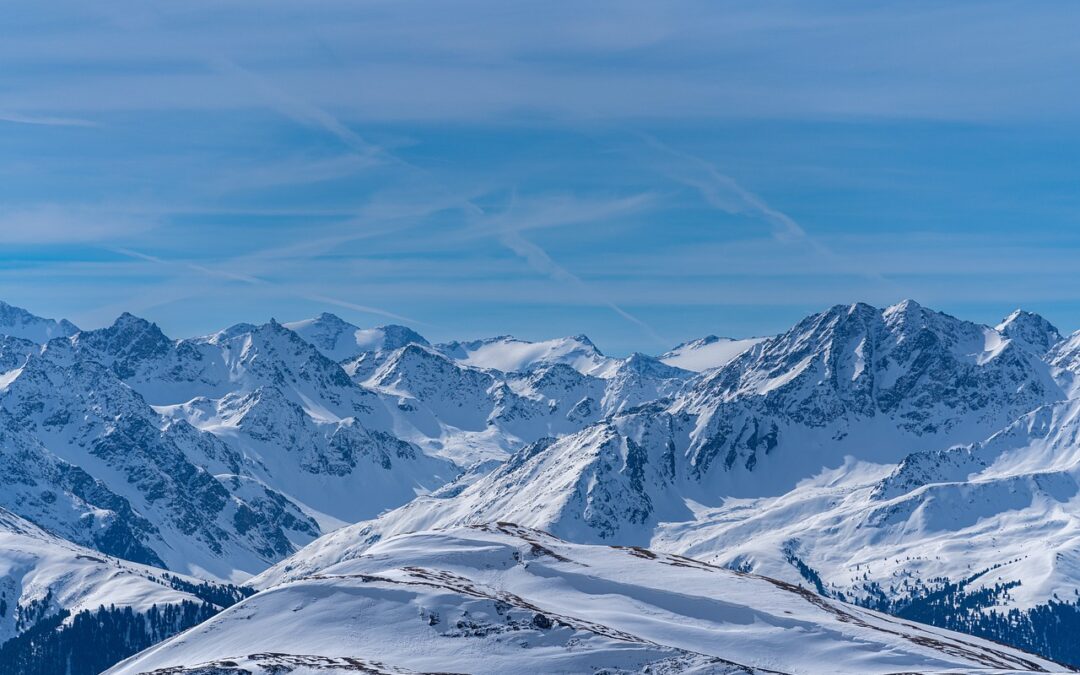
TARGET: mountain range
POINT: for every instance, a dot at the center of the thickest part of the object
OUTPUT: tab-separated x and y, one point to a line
370	490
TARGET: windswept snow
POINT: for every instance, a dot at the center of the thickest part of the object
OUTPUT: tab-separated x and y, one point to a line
505	599
707	353
509	354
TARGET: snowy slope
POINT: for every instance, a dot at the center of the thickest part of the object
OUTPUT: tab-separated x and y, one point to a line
19	323
707	353
509	354
41	574
968	514
506	599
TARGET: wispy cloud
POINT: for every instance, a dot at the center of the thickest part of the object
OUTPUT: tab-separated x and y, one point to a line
195	267
553	211
506	230
539	260
724	192
296	108
44	120
62	224
366	309
224	271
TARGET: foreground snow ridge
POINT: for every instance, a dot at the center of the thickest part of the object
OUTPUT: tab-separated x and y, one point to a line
500	598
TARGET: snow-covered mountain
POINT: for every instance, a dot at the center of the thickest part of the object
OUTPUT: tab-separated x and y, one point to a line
167	474
19	323
849	382
221	454
470	414
875	384
340	340
44	579
825	456
994	523
899	458
707	353
505	599
509	354
216	456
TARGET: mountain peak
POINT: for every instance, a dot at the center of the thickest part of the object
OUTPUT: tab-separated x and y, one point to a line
329	317
395	337
906	305
584	340
127	319
126	329
509	354
340	340
1030	330
708	352
18	322
643	365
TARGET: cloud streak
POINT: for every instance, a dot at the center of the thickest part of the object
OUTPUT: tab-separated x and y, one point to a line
223	271
724	192
44	120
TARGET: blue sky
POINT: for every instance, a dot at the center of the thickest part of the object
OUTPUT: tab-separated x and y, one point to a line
644	173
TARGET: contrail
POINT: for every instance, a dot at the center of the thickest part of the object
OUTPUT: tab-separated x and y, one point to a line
367	309
307	113
725	193
539	260
739	199
44	120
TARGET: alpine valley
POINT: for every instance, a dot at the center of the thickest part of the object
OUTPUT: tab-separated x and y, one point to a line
873	491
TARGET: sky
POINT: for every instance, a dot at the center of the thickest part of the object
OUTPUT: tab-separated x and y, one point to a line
644	173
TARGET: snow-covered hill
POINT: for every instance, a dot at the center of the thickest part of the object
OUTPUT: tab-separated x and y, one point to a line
42	575
506	599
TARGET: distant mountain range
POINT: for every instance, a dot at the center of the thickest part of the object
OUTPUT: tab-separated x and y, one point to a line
897	459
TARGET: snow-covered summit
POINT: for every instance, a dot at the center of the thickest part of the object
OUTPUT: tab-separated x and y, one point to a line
17	322
509	354
340	340
1029	329
707	353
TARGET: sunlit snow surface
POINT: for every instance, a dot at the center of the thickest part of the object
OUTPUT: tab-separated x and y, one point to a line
39	568
505	599
830	444
707	353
